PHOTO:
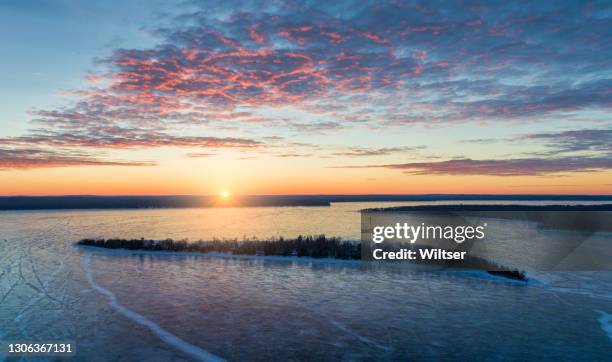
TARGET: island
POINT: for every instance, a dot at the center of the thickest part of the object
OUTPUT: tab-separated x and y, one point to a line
318	246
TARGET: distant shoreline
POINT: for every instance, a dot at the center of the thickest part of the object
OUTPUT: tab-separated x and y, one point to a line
587	218
499	207
82	202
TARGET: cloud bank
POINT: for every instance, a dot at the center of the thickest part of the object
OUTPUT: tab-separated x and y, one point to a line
343	64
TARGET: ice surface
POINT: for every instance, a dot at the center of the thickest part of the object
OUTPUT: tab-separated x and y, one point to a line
138	306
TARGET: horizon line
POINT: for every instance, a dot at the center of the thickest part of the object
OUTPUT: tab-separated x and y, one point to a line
322	194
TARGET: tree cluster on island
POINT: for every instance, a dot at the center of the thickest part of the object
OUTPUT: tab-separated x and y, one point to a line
318	246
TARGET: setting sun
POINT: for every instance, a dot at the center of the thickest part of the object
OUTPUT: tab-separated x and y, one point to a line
225	194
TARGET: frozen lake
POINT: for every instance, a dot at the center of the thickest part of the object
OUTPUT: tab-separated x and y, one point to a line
123	306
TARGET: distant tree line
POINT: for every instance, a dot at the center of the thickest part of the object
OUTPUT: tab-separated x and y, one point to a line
318	246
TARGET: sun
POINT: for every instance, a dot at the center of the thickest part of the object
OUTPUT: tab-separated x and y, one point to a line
225	194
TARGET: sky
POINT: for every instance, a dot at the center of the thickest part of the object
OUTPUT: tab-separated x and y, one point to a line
305	97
